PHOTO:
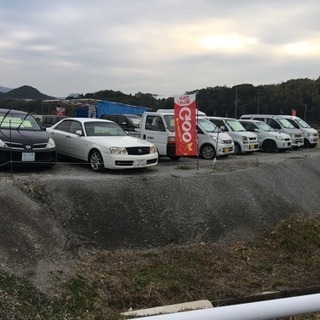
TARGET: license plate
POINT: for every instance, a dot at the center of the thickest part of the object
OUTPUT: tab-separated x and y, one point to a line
226	150
251	146
140	163
28	156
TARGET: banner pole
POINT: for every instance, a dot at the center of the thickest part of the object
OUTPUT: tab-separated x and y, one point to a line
197	114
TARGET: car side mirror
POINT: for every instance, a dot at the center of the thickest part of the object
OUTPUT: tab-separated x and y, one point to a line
223	128
79	133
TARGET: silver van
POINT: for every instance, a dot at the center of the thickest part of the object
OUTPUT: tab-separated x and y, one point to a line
270	140
310	134
244	141
281	124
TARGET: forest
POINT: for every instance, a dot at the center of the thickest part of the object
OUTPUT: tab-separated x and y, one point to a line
301	95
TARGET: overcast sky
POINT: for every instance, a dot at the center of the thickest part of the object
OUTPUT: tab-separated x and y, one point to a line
163	47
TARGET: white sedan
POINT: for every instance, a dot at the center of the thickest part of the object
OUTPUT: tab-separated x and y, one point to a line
102	143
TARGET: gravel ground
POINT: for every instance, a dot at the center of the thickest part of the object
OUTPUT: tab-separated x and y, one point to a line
51	217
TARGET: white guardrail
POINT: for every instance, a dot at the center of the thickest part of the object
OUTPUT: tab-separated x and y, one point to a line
270	309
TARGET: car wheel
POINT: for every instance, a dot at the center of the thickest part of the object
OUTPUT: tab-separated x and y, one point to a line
269	146
306	143
96	161
237	148
207	151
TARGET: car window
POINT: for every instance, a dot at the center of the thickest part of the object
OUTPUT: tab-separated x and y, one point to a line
64	126
75	125
207	125
154	123
235	125
100	128
18	121
286	124
273	123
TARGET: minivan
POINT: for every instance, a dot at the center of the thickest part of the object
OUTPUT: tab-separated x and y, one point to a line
128	122
270	140
310	134
281	124
244	141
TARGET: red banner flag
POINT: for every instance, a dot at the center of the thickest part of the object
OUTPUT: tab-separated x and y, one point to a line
293	112
185	125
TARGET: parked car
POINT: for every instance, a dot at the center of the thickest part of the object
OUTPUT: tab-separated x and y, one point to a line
269	139
281	124
244	141
49	120
128	122
310	134
23	141
102	143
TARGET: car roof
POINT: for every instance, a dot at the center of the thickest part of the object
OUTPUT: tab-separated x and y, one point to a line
13	110
83	120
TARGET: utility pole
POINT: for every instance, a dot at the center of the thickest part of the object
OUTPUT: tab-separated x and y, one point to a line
258	106
236	102
305	112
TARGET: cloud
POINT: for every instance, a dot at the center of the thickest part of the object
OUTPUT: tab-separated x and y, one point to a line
159	46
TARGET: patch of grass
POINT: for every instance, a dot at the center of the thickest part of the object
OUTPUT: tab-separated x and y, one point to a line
109	282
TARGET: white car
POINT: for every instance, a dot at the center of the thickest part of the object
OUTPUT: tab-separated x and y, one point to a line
102	143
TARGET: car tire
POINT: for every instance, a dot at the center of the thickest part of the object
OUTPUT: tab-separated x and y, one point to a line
207	151
306	144
237	148
96	161
269	146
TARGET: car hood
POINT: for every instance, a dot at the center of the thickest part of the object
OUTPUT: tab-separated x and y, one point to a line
24	136
221	135
121	141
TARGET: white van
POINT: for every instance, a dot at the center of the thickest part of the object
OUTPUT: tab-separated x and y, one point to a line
269	139
310	134
159	128
244	141
281	124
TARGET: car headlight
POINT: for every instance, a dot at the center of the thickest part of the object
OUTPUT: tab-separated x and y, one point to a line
244	139
50	144
292	135
118	150
309	134
3	145
217	140
153	149
279	137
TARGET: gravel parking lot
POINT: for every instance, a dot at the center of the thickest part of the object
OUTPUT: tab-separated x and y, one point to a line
184	166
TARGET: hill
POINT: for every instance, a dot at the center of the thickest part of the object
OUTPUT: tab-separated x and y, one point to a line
25	92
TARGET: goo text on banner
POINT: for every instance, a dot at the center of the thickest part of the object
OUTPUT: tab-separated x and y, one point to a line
185	125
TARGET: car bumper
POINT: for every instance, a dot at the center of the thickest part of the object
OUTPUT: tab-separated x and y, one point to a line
225	149
116	161
36	158
251	147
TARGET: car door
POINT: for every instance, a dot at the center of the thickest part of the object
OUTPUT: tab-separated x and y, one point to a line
58	134
74	141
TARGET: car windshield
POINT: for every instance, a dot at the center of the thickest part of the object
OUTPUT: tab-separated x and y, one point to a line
264	126
235	125
11	120
135	120
286	124
102	129
207	125
302	123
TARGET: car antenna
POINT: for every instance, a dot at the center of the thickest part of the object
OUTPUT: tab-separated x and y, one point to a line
23	120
